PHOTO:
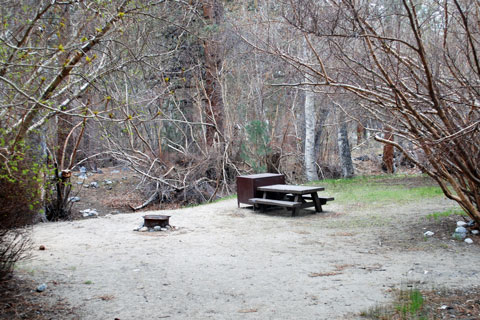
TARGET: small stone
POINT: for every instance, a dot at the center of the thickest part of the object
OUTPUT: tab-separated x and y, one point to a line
89	213
164	229
157	228
79	182
83	169
115	171
428	234
475	232
108	182
124	178
460	230
143	229
74	199
42	287
94	184
468	240
461	223
99	171
42	247
86	186
82	176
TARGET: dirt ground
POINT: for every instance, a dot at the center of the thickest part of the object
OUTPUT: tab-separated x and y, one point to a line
224	262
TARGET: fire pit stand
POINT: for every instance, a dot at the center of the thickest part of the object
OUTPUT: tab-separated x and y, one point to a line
151	221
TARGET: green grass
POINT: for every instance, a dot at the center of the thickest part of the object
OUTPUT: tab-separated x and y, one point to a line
408	305
446	213
380	189
88	282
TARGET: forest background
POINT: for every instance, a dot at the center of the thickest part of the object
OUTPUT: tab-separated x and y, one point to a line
191	94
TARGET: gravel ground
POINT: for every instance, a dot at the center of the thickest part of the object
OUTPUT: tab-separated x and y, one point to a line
224	262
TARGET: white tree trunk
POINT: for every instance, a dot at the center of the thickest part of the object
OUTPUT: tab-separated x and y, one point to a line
310	161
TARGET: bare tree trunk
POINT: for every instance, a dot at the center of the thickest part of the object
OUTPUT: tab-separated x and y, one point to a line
344	147
64	121
309	111
213	14
360	135
310	159
387	162
319	129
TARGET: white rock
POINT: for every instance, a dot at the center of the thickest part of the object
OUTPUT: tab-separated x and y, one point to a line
461	223
74	199
460	230
164	229
157	228
475	232
42	287
143	229
428	234
89	213
468	240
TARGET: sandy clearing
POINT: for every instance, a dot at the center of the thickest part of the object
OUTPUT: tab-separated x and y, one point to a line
230	263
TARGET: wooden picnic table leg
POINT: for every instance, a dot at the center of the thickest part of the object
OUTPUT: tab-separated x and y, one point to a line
263	207
296	209
316	201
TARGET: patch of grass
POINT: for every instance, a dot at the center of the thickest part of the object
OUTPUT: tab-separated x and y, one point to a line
232	196
446	213
88	282
408	305
413	304
381	189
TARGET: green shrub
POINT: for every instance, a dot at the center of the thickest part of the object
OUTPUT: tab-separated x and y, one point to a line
20	200
255	151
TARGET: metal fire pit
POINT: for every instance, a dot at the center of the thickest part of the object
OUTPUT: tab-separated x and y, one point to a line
151	221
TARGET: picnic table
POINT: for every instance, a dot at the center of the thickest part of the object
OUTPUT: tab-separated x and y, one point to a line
293	197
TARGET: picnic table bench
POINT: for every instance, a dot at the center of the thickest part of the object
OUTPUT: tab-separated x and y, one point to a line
293	197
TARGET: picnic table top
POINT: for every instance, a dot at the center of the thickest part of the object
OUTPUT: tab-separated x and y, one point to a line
286	188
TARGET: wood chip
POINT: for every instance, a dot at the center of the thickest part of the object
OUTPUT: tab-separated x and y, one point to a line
247	310
324	274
